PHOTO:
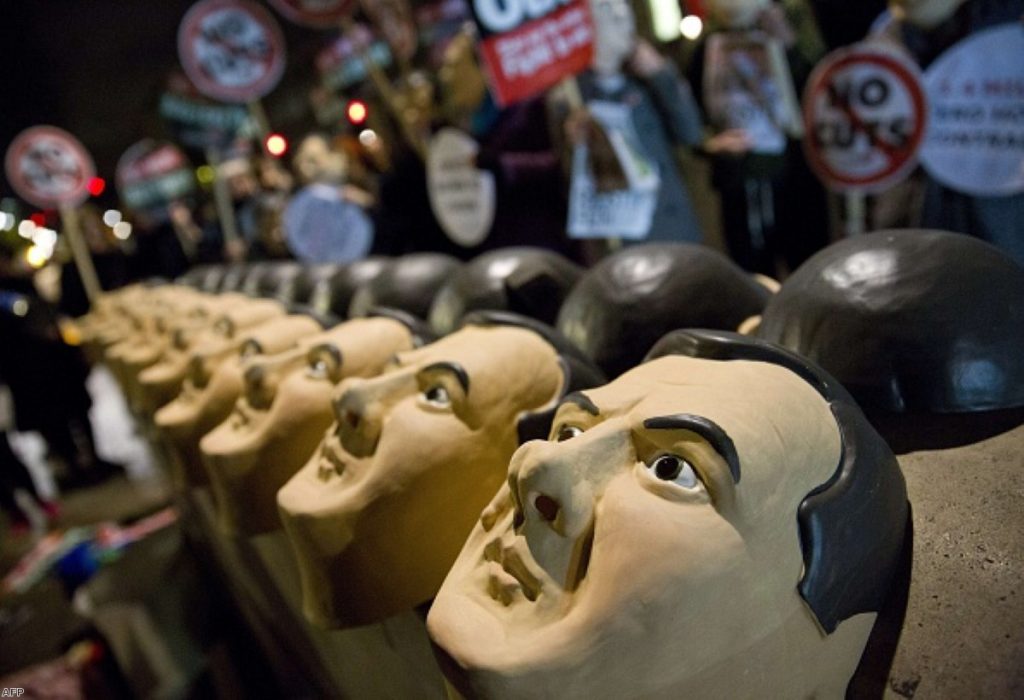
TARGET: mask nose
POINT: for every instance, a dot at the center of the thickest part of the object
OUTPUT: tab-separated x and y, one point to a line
554	511
547	493
262	377
359	419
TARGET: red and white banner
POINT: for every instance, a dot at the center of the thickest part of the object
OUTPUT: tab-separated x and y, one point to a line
529	46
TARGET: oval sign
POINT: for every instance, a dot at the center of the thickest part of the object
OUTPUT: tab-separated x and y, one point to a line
461	195
975	139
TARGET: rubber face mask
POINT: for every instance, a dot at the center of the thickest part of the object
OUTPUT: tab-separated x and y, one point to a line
378	514
650	547
282	414
212	384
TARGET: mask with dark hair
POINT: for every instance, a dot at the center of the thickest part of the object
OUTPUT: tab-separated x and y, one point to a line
424	444
408	283
532	282
622	306
721	521
909	321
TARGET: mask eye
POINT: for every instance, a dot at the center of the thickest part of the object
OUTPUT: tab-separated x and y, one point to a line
438	396
675	469
567	432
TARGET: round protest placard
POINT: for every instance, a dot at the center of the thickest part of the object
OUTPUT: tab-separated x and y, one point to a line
319	14
321	226
49	167
461	195
975	138
151	175
231	49
864	116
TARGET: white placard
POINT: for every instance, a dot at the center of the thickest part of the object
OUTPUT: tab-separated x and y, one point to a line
461	195
975	138
625	213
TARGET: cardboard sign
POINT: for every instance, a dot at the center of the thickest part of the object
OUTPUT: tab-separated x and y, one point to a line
626	213
865	116
50	168
975	138
530	45
232	50
747	86
461	196
198	122
321	226
151	175
318	14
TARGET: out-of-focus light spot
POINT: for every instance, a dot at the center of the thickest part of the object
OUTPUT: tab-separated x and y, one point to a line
665	16
368	137
122	230
7	221
20	307
206	174
45	238
691	27
97	186
36	256
26	228
111	217
277	145
357	112
38	218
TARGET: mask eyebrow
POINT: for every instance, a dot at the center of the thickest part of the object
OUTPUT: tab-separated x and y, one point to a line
580	399
707	429
455	369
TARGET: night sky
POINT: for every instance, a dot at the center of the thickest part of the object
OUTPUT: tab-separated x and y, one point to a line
97	68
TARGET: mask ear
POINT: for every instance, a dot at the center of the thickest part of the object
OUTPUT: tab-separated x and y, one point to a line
750	326
769	283
577	375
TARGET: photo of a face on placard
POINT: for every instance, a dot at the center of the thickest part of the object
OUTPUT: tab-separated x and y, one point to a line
412	457
679	524
282	414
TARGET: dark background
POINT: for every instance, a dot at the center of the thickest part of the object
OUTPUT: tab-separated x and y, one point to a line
97	68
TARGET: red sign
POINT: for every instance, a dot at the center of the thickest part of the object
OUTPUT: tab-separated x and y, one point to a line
231	49
530	45
865	114
319	14
50	168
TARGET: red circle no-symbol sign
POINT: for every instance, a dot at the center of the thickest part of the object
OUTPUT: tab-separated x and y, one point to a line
232	50
865	114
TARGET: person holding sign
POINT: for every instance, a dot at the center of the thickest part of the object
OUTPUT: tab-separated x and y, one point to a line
637	109
971	180
747	73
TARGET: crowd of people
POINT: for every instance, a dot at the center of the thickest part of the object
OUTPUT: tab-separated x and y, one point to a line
342	196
